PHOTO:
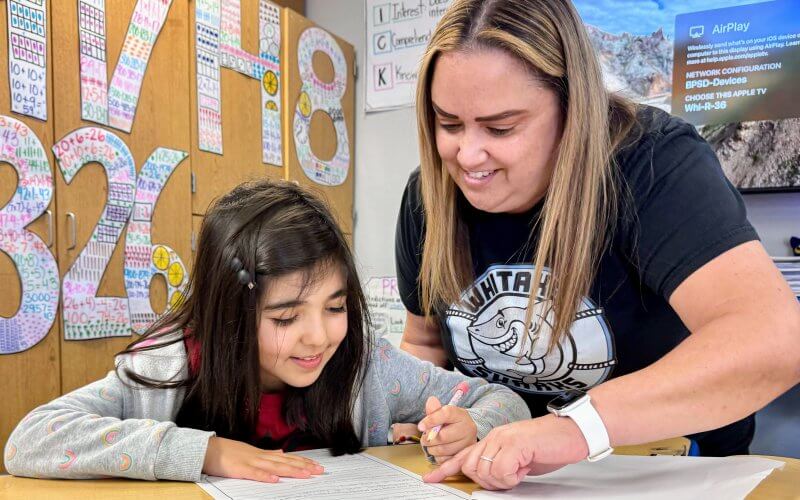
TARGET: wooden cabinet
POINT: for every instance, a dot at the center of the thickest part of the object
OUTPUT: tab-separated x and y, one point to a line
123	192
33	376
240	97
161	120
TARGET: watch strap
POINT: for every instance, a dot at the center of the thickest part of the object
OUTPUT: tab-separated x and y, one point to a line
594	430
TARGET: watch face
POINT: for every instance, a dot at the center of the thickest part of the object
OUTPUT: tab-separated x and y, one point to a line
565	399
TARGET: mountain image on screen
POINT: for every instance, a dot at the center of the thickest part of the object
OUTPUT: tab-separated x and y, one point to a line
757	155
754	155
638	66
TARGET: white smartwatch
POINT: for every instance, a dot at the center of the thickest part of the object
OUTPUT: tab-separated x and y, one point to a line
577	405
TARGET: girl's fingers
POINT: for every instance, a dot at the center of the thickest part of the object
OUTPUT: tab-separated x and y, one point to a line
257	474
442	459
284	469
447	434
295	460
448	449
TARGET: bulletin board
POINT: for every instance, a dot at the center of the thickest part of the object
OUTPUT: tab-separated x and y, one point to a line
161	121
117	170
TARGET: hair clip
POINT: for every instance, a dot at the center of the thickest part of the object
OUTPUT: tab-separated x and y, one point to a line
241	273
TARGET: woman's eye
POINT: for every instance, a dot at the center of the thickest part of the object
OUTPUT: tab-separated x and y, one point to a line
499	131
450	127
338	310
282	322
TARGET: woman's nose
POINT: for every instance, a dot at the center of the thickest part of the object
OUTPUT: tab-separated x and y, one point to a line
471	151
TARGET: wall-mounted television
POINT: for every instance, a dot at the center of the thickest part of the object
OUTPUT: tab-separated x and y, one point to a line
730	67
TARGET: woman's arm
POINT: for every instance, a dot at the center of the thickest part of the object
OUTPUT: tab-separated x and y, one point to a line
744	350
422	339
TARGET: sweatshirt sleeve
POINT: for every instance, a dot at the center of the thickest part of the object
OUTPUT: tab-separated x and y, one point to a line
86	434
409	381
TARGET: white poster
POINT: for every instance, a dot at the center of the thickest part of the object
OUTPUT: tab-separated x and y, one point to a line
27	57
386	309
397	34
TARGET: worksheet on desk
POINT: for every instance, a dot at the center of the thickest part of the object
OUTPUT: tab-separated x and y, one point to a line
355	477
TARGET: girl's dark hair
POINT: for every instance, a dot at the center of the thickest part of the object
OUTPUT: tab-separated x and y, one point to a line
274	228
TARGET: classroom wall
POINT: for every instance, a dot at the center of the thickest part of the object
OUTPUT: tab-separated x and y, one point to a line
386	152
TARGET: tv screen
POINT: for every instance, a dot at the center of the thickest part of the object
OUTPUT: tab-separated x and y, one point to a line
730	67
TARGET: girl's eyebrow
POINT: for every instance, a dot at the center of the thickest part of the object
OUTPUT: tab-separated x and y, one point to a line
288	304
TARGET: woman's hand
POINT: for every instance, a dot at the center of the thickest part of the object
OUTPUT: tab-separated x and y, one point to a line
229	458
458	430
535	446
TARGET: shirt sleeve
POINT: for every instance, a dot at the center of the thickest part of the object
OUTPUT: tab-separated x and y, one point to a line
686	212
408	382
85	435
408	245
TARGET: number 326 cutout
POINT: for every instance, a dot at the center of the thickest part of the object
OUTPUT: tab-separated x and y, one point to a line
316	95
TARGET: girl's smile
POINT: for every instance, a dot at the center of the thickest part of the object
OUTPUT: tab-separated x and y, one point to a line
302	324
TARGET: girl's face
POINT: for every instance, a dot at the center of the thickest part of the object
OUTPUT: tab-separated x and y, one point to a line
497	128
299	333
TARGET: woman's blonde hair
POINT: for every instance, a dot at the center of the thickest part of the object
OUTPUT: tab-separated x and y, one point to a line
580	206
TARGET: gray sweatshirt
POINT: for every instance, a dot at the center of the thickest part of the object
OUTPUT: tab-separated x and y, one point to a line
114	427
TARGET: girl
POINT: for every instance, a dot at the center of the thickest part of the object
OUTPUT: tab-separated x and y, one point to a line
267	354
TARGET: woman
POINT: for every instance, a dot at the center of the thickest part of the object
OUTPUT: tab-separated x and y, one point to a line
563	239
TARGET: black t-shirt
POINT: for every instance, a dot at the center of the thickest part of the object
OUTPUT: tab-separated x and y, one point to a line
681	213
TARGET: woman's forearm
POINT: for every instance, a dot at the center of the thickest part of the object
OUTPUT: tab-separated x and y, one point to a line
728	369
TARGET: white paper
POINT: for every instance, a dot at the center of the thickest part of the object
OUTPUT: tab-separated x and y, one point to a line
354	477
386	308
316	95
660	477
27	57
115	105
218	43
397	34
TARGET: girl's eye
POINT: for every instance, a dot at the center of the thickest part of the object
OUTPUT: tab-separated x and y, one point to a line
499	131
283	322
338	310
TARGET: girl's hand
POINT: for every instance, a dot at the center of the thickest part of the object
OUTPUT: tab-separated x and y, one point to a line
535	446
458	430
234	459
402	433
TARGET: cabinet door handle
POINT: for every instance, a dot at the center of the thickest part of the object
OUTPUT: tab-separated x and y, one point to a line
49	228
73	231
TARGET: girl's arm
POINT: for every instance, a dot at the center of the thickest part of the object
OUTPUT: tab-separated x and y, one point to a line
422	339
408	383
87	434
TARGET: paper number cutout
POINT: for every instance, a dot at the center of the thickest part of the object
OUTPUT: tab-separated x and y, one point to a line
85	315
143	260
35	264
316	95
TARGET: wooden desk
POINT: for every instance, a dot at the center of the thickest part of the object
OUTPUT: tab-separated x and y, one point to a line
781	484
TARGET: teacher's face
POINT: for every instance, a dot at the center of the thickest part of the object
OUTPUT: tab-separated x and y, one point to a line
497	128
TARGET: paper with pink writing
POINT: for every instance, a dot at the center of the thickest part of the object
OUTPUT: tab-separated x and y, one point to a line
218	43
27	57
85	315
317	95
115	105
35	264
143	259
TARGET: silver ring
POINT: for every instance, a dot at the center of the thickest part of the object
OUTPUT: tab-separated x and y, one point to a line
487	459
